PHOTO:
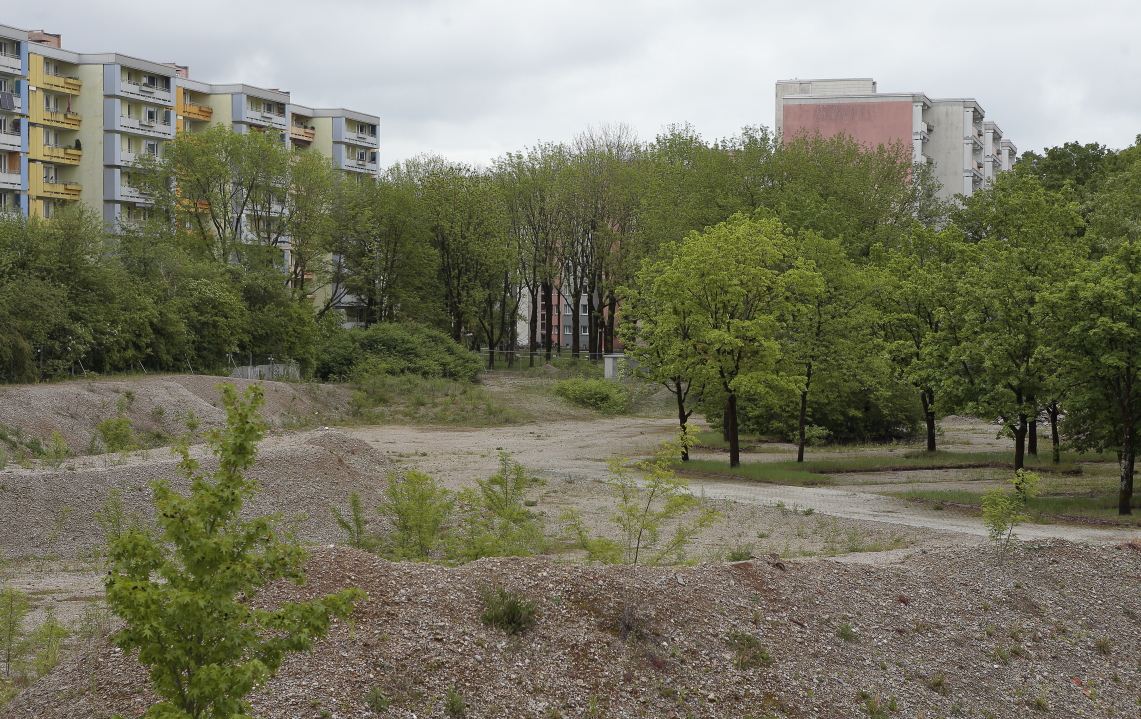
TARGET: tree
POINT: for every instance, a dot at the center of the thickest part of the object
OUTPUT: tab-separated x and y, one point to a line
920	278
830	335
724	292
186	598
418	508
1026	246
1097	338
14	607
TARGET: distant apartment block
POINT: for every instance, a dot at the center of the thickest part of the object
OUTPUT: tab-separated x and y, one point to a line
966	150
72	124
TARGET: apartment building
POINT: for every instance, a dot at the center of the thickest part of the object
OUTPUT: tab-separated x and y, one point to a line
73	124
966	151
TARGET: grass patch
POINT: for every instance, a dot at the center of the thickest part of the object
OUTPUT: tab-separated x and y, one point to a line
772	472
436	400
1042	509
815	472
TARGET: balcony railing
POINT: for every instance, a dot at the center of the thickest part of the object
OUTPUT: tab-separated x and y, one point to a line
150	92
59	118
66	83
68	155
158	127
10	61
195	112
10	140
10	181
301	133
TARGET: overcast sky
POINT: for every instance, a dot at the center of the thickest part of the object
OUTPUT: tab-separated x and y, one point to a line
471	79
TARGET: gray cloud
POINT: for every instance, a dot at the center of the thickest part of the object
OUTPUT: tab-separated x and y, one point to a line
471	79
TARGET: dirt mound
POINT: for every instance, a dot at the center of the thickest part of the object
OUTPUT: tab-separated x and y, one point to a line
49	513
946	633
158	405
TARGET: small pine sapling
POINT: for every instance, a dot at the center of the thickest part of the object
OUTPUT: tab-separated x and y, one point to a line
187	598
418	508
355	525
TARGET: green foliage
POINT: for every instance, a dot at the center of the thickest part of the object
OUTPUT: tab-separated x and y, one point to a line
47	639
185	598
393	349
846	633
376	700
56	451
454	705
601	395
492	521
115	521
418	508
645	506
14	608
355	525
1003	511
117	434
747	651
508	610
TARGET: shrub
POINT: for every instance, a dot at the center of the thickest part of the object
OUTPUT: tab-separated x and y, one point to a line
376	701
601	395
747	651
354	525
741	553
396	348
846	633
510	611
117	434
454	705
418	508
205	572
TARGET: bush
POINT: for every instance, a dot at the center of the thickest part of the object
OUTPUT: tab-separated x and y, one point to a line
391	348
510	611
598	394
747	651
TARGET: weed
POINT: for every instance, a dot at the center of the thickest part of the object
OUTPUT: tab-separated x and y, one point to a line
741	553
56	452
747	651
597	394
873	706
846	633
1000	655
938	683
510	611
1104	645
454	705
1041	702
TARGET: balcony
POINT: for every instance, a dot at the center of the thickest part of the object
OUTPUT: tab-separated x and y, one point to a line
58	190
141	125
195	112
61	83
147	93
56	118
18	105
354	165
303	134
10	181
10	141
133	194
11	63
362	138
55	153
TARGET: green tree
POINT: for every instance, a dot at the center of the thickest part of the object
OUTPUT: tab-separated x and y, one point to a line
185	598
724	292
1097	339
1027	247
418	508
355	526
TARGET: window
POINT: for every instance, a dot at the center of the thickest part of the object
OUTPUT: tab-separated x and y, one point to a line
152	148
150	81
567	309
49	173
48	209
585	311
584	330
4	84
567	329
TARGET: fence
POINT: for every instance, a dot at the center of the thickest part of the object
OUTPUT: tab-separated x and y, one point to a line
270	370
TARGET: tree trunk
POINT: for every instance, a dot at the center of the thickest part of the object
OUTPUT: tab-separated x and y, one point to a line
611	311
1056	446
682	417
803	414
1020	443
928	398
533	325
1125	494
546	290
1032	431
731	424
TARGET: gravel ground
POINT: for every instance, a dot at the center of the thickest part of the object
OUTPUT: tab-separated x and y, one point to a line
945	633
44	513
161	404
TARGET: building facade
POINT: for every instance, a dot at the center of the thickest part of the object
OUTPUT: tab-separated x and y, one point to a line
951	134
72	124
